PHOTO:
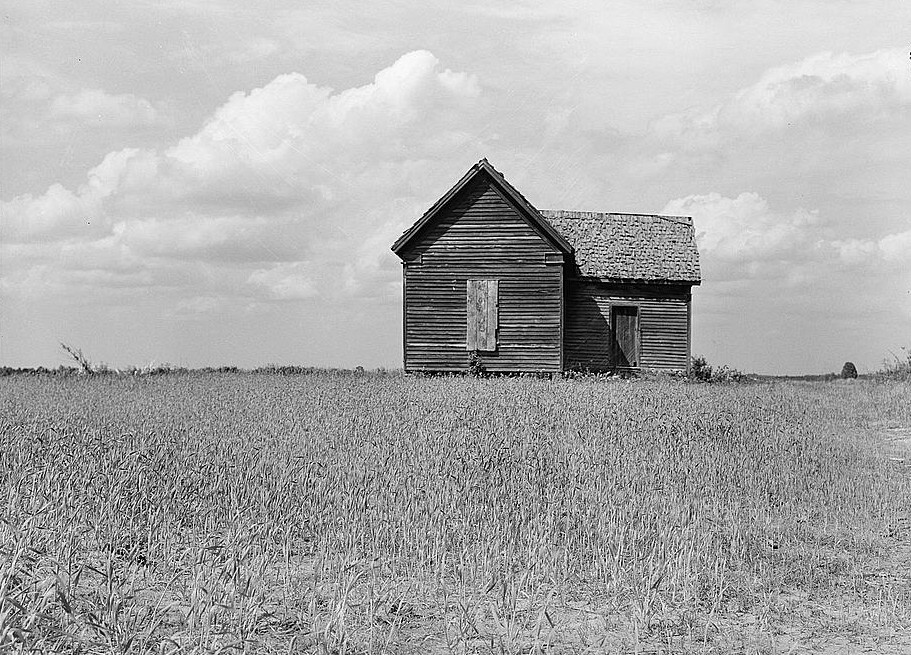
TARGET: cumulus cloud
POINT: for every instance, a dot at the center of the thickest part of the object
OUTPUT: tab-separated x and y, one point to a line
896	247
855	251
60	213
820	88
788	281
745	228
198	305
744	238
41	106
892	249
287	281
291	127
254	49
97	107
280	181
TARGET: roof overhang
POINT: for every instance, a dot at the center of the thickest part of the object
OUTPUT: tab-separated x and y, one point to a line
624	280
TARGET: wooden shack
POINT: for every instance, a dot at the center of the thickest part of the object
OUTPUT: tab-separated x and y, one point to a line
488	276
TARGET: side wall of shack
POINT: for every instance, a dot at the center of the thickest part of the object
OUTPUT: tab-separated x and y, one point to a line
663	324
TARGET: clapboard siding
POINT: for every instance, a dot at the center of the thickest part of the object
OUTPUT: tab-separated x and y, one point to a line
663	324
479	235
553	280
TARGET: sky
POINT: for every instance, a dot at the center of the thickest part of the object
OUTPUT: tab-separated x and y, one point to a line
218	183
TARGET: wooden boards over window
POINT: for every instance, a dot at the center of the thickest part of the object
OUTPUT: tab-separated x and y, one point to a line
483	316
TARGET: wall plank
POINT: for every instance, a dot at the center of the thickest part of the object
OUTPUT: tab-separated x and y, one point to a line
471	339
490	342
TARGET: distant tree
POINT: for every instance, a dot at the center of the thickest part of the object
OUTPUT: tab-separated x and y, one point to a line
848	371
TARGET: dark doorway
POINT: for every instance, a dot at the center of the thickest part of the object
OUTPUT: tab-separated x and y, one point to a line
625	328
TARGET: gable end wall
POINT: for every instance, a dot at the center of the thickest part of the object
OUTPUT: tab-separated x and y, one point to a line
480	235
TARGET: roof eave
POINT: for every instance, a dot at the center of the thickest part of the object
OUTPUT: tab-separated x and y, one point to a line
639	280
430	213
536	217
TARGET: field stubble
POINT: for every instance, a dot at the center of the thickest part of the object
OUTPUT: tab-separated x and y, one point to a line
350	514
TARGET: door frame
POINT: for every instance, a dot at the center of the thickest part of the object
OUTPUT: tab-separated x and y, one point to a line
638	333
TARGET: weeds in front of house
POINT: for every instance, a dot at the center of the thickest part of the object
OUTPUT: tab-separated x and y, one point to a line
897	367
702	371
352	514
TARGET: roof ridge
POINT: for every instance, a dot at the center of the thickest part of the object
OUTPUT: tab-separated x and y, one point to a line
566	213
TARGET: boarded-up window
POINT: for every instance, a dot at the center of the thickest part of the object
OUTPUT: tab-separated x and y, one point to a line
482	305
625	328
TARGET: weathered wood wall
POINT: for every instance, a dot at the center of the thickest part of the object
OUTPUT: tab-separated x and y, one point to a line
482	236
663	324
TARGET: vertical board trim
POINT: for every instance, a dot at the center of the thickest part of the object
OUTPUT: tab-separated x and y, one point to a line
492	314
404	317
471	302
562	318
689	334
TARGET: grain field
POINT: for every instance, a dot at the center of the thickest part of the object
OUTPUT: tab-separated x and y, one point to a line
342	513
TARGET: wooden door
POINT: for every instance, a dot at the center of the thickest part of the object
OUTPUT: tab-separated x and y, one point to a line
482	305
625	329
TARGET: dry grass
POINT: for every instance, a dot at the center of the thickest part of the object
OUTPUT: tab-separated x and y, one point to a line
371	514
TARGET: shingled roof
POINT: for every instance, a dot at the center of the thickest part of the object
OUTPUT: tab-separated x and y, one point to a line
621	247
630	246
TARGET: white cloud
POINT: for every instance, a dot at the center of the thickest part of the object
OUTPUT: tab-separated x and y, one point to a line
809	93
198	305
39	105
782	282
97	107
745	228
60	213
292	281
744	238
292	125
255	49
855	251
826	83
892	248
896	247
286	179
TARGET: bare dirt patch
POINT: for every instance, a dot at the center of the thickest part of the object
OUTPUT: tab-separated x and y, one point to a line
897	437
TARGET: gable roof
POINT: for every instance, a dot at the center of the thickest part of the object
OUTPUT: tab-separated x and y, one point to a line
630	246
483	167
612	246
